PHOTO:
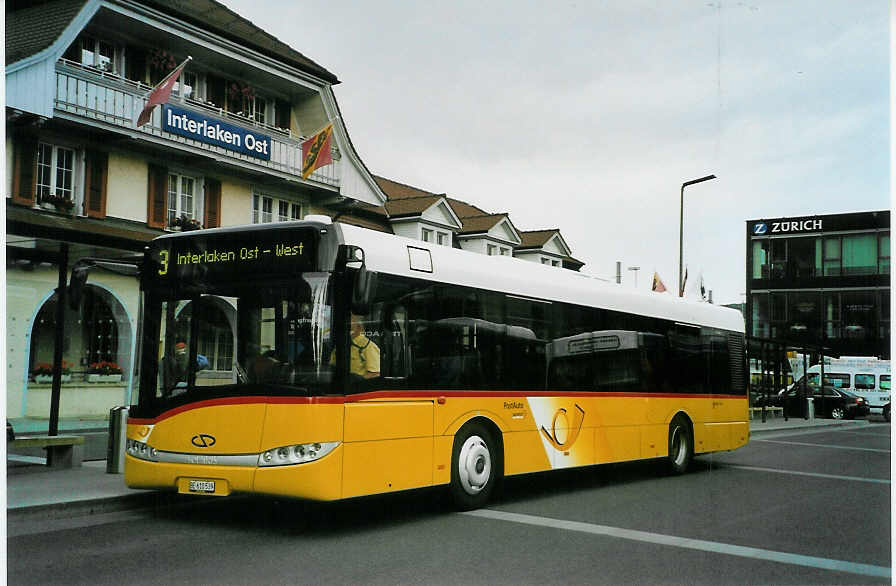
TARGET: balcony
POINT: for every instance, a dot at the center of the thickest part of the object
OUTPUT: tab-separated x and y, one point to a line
104	97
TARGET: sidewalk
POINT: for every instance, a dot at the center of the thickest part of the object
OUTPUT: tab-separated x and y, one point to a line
35	489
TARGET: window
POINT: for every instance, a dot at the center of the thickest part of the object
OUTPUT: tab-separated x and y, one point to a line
865	381
426	235
491	249
760	259
859	254
804	257
545	261
885	382
832	315
804	315
555	263
778	258
263	209
191	85
181	196
859	315
837	380
883	254
442	238
832	257
505	251
55	171
97	53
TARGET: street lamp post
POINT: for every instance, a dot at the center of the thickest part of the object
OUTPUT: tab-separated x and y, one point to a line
681	228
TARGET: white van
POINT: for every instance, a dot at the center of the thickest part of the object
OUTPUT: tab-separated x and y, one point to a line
864	376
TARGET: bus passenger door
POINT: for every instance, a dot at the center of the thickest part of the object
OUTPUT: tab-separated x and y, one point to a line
388	446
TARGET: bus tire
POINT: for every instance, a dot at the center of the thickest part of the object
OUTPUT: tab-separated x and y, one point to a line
474	466
681	445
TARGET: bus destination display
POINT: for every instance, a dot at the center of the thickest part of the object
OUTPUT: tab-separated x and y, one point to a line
236	255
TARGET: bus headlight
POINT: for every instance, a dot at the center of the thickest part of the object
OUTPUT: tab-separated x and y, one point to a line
296	454
141	450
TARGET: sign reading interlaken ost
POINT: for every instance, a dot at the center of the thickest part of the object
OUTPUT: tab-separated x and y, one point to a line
193	125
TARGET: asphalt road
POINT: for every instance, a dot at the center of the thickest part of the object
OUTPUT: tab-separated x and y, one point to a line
802	507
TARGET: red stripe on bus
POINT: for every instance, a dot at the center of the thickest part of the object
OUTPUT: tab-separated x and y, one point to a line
407	395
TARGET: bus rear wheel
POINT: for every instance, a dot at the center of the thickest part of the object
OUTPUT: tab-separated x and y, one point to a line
681	446
474	467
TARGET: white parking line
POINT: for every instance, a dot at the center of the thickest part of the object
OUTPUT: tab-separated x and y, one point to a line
850	448
686	543
815	474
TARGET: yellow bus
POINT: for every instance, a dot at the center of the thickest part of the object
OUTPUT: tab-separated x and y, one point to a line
324	361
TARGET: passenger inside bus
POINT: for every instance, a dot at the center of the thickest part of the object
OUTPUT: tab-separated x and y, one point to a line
364	353
175	369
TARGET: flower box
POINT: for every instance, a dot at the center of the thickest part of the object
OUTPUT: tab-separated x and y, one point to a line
104	378
46	379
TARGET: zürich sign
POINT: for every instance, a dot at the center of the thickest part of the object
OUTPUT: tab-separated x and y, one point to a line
786	226
215	132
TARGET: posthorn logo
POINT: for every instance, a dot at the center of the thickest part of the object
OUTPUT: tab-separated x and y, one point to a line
759	229
203	440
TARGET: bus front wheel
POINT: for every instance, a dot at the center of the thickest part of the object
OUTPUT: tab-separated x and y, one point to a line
681	445
473	467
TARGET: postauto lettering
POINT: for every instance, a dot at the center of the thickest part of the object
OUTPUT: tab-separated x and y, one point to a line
210	131
761	228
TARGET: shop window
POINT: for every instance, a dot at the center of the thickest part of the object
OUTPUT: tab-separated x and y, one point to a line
832	315
805	315
859	315
182	197
760	316
778	258
859	254
55	172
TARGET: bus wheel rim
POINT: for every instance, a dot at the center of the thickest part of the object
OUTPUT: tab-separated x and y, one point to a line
679	449
474	466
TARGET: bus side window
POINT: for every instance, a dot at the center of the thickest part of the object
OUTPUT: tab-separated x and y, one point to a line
865	381
885	382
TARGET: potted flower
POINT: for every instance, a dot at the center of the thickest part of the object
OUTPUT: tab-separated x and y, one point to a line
43	372
59	202
186	224
104	371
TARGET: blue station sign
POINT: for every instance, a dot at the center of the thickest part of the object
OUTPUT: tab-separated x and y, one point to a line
196	126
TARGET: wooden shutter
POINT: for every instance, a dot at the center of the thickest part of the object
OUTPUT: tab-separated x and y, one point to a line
25	171
95	184
157	197
212	203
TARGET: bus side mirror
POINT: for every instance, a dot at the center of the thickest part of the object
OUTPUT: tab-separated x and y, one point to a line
362	291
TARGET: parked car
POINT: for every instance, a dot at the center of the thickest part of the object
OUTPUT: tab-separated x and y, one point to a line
829	402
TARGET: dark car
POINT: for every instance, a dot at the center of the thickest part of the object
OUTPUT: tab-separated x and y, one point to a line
828	402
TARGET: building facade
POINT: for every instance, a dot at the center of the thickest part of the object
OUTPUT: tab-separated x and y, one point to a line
821	281
84	180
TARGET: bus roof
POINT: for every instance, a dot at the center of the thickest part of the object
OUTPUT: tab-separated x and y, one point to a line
387	253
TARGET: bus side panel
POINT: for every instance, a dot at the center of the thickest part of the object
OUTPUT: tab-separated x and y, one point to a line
616	443
524	452
388	446
290	424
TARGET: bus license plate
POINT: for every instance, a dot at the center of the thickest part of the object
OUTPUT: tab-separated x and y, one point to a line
202	486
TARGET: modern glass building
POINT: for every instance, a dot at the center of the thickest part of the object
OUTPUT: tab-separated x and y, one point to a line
821	281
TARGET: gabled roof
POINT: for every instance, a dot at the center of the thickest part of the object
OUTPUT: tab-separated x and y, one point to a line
411	206
395	190
481	223
34	25
31	27
536	238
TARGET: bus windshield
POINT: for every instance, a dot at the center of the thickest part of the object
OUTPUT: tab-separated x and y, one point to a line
239	339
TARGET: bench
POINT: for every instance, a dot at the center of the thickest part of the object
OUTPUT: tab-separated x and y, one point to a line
773	411
63	451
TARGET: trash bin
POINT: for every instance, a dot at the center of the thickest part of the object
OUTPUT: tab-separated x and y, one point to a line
118	423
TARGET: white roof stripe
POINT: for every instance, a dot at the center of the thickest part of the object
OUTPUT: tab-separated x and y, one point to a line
387	253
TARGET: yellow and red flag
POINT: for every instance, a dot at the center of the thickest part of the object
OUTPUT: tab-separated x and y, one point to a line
316	151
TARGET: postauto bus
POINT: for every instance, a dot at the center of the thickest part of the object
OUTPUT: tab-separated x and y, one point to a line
325	361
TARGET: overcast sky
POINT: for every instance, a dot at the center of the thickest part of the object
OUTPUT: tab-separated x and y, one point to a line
589	115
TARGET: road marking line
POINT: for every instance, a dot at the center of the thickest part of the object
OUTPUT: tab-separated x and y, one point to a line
686	543
815	474
824	446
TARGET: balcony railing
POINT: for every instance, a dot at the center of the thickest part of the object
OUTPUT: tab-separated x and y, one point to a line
106	97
